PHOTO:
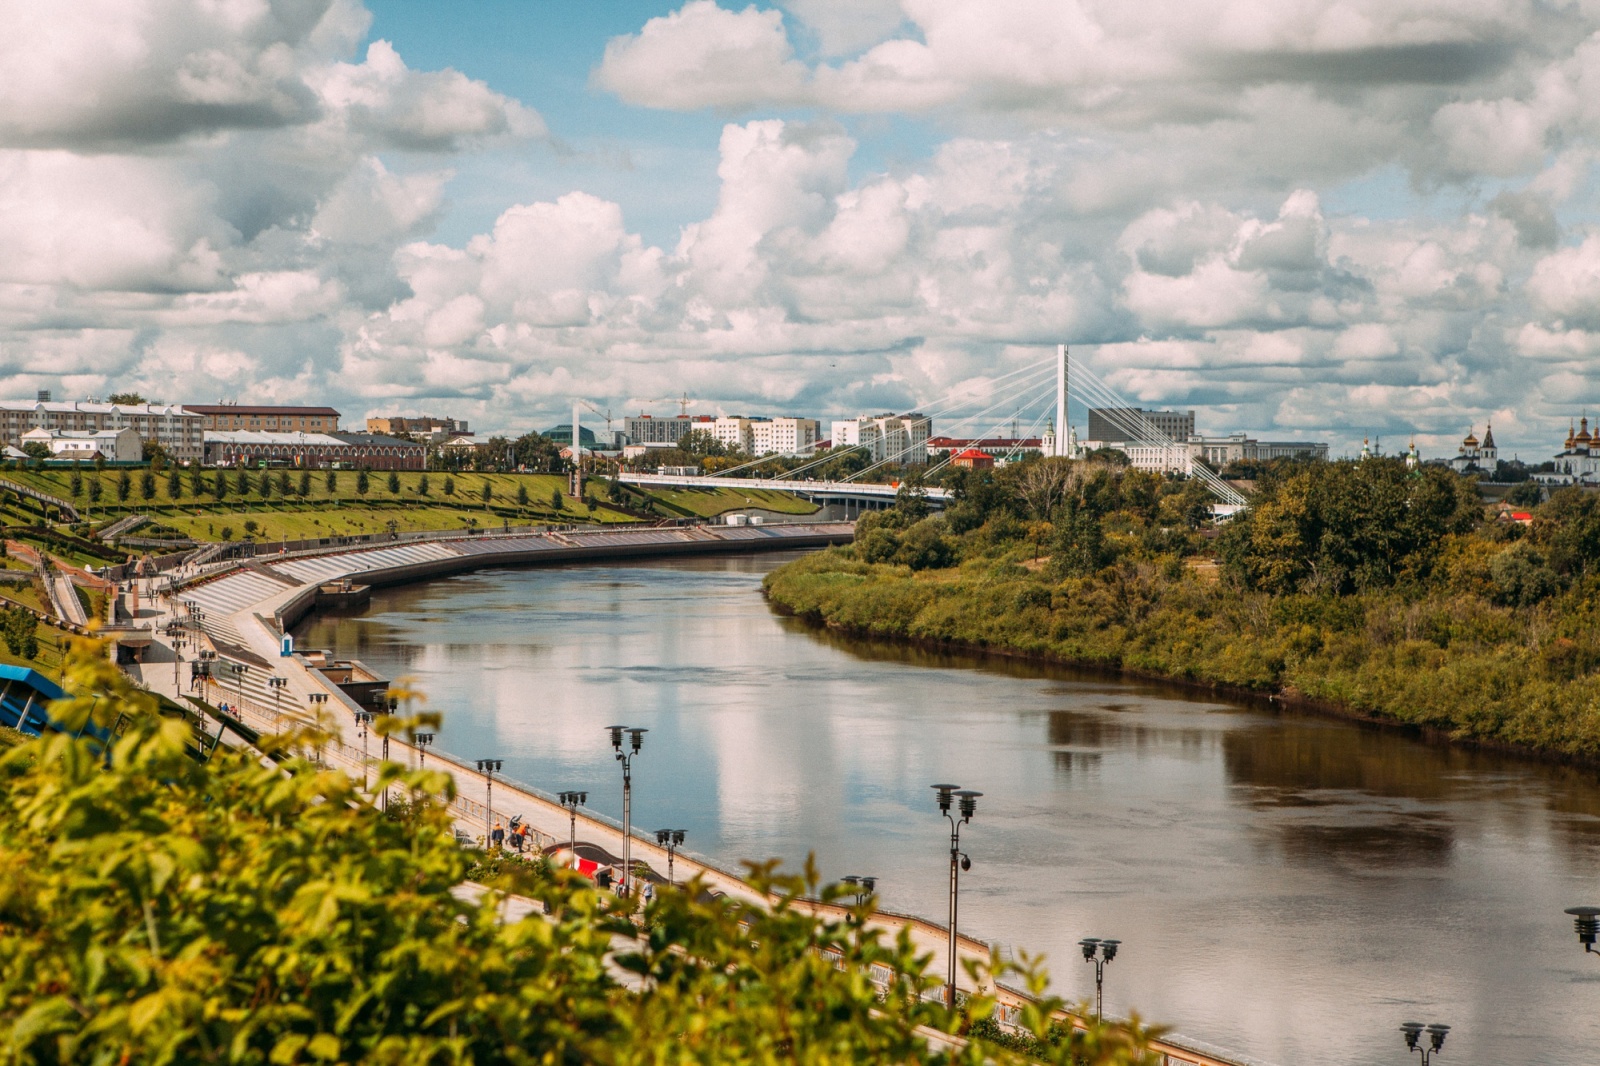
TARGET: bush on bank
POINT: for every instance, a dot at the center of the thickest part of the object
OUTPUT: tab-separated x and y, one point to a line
156	909
1383	591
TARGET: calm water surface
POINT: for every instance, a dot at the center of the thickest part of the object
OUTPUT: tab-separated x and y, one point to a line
1285	886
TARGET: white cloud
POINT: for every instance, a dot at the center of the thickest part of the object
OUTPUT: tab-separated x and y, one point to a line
1566	284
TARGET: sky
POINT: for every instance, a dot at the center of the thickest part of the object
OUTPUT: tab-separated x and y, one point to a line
1315	219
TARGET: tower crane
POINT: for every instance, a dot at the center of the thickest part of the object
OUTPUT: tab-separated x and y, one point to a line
683	402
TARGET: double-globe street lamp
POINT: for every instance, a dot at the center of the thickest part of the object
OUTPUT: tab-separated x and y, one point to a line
1099	952
363	720
278	684
636	738
864	886
572	801
488	768
669	839
423	742
1436	1033
967	801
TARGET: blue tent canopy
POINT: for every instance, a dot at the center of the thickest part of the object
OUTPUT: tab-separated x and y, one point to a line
25	696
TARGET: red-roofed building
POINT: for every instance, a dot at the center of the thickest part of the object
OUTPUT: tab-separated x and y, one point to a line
973	459
995	447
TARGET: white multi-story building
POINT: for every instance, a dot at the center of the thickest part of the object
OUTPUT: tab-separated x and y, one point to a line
731	431
784	436
648	429
86	445
888	437
180	432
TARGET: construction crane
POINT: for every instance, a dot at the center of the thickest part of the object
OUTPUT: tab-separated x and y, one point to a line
683	403
606	414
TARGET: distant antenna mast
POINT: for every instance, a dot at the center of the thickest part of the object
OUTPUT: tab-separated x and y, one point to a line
683	405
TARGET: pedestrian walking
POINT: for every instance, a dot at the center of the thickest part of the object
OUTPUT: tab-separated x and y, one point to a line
498	837
649	892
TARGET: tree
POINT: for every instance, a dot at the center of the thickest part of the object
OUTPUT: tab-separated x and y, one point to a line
285	485
265	486
219	486
241	909
331	482
522	494
701	443
125	398
96	488
36	449
147	485
1079	547
155	453
555	500
304	488
488	491
174	483
226	533
20	628
197	482
533	451
449	485
394	483
124	486
75	485
242	481
363	483
422	485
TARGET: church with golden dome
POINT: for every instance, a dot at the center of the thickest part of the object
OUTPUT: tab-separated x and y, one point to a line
1580	454
1477	456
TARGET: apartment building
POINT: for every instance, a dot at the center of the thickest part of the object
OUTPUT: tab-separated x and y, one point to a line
784	436
179	431
887	437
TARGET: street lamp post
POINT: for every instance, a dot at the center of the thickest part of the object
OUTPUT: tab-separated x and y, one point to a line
572	801
277	684
239	670
864	886
1107	952
1436	1034
636	736
423	740
968	806
1587	921
488	768
669	839
363	719
178	644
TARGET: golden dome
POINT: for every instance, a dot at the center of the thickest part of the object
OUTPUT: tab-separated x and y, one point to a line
1570	436
1583	432
1470	441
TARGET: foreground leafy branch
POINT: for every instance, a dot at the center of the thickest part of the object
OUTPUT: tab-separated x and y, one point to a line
157	909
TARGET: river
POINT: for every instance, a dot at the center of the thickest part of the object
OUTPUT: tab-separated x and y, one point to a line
1285	886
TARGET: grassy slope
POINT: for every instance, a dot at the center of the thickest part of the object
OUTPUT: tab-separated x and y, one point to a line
344	511
1517	677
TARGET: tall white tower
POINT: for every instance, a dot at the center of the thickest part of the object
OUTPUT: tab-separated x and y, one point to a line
577	455
1061	401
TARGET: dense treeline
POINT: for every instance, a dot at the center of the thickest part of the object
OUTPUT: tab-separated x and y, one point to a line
1378	589
159	909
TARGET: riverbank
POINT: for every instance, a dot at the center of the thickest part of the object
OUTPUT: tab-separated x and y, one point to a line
1454	668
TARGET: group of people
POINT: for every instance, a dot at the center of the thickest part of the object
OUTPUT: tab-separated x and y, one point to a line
517	838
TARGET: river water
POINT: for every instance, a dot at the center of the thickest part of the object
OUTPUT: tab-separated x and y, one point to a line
1285	886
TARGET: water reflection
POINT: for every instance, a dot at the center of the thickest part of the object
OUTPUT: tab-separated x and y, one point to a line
1284	884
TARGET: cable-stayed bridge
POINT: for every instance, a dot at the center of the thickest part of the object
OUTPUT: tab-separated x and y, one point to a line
1004	401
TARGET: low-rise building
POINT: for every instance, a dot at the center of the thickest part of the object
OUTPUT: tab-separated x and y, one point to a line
437	430
178	431
994	447
237	417
351	451
973	459
112	445
1220	451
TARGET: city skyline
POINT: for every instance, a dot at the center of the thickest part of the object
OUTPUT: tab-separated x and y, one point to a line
1336	222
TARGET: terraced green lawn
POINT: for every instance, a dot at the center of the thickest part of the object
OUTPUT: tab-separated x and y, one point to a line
711	502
